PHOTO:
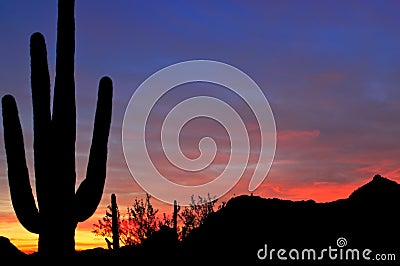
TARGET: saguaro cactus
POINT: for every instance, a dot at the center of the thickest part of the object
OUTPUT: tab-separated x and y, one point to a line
175	217
60	207
115	222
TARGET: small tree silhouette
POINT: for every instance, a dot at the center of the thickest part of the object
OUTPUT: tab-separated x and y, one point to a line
196	213
142	218
139	223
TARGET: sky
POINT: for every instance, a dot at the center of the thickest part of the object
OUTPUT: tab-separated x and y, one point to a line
329	69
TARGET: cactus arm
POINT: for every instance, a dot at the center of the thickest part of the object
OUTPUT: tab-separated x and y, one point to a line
40	84
18	175
89	193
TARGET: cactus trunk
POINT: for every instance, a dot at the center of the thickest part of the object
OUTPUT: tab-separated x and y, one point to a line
175	217
115	221
60	208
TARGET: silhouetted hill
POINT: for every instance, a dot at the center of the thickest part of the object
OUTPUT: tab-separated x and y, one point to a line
378	190
7	249
368	219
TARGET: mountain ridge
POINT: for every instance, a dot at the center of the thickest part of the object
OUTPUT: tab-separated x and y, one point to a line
365	219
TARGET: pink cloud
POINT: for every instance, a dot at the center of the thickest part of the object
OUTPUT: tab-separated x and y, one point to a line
297	135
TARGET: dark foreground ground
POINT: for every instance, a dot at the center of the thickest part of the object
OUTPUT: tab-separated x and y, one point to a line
251	230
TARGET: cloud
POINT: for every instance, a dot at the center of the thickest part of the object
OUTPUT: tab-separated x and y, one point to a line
297	135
